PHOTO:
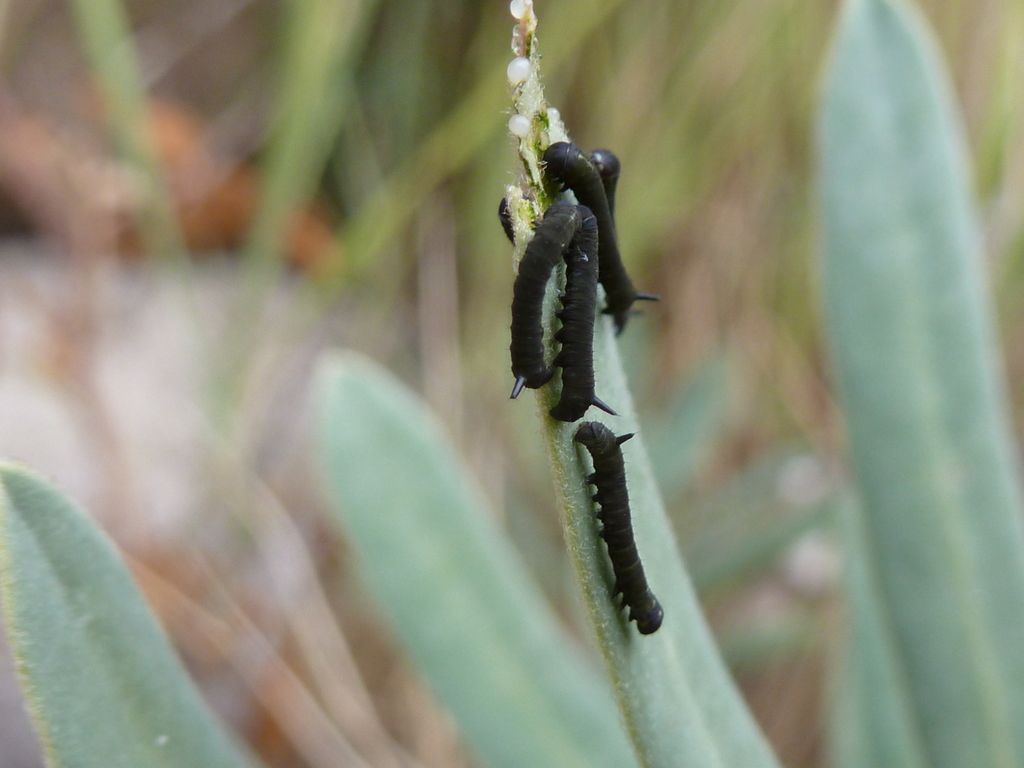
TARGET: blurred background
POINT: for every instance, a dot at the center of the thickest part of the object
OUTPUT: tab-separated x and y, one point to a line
197	198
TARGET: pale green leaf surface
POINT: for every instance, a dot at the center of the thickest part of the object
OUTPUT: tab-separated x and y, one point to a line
739	530
683	435
915	354
750	649
457	595
681	706
872	723
719	563
102	683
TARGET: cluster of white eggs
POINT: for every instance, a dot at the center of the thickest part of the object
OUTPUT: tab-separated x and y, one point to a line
518	70
520	8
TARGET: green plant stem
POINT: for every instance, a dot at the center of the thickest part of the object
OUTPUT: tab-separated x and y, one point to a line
678	701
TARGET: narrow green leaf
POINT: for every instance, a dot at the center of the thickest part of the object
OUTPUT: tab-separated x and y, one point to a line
719	563
873	724
321	37
320	40
106	37
916	359
679	702
683	435
102	684
680	705
459	598
737	531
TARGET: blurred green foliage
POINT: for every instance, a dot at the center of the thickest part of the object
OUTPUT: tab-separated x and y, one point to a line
392	114
101	682
708	104
920	376
446	577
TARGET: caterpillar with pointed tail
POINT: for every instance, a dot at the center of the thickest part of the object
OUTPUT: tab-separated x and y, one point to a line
567	232
609	477
608	167
593	181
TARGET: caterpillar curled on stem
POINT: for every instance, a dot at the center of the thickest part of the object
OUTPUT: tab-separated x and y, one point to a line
609	477
578	312
566	164
608	167
553	234
566	232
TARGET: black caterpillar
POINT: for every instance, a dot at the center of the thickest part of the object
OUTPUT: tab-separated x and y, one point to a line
617	531
553	235
567	165
570	232
578	314
608	166
505	217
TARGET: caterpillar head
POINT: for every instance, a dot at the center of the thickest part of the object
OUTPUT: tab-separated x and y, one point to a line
649	620
566	163
594	435
606	162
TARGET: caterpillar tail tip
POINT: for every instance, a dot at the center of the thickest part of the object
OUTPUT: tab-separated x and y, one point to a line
599	403
517	388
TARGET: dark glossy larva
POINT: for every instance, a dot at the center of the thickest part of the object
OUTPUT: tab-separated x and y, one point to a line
578	312
505	217
608	167
553	234
616	524
566	164
566	232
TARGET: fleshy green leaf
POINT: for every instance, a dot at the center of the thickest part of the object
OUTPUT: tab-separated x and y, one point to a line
103	685
680	705
457	595
916	358
873	723
683	435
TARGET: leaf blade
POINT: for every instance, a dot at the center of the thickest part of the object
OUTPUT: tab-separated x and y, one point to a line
686	431
915	354
873	722
458	597
672	687
680	704
103	684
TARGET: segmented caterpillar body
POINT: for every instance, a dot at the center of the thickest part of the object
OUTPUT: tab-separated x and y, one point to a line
553	234
566	232
578	313
608	166
566	163
609	477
